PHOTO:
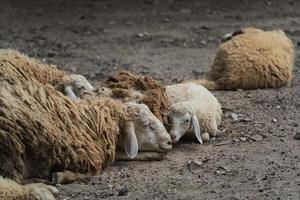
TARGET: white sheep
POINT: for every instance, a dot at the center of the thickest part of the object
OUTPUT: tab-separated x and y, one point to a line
193	108
11	190
191	105
75	84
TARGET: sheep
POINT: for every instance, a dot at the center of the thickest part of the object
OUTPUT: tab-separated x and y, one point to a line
10	190
193	108
43	132
76	84
23	68
124	86
250	59
140	89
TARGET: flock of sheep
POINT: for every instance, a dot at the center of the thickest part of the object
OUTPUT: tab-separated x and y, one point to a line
56	128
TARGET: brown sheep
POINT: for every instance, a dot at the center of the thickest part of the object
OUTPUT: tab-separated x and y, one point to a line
24	69
10	190
42	131
251	59
141	89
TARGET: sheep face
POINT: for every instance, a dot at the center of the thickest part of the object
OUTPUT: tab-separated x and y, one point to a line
150	133
81	83
183	120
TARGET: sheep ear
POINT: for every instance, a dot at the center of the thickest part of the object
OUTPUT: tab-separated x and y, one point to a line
130	140
196	127
68	90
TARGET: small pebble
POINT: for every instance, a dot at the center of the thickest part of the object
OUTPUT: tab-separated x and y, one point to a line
297	136
123	191
257	138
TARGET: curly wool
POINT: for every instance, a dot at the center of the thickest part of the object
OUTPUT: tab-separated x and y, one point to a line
22	68
143	89
42	131
252	59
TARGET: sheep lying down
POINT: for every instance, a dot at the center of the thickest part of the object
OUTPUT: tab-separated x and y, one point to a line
252	58
194	112
45	134
11	190
193	108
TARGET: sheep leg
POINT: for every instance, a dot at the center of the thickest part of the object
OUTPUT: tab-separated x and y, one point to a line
66	177
212	128
80	82
77	83
50	188
205	137
141	156
40	191
70	93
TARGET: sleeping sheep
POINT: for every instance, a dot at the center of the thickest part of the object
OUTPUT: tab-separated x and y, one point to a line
251	59
193	108
11	190
23	68
140	89
80	137
188	102
42	131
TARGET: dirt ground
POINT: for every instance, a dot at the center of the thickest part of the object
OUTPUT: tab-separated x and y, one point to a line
253	158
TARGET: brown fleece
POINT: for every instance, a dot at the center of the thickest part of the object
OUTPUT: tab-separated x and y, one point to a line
252	59
42	131
124	85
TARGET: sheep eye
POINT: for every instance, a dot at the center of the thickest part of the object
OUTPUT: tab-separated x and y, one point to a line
146	125
187	121
151	126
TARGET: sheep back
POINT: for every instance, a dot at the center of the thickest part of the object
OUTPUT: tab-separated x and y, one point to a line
124	85
22	68
42	131
254	59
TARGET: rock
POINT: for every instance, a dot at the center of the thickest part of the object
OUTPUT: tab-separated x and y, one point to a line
223	143
245	119
235	117
203	42
144	35
257	138
166	20
123	191
243	139
194	166
221	172
225	168
197	72
274	120
297	136
235	140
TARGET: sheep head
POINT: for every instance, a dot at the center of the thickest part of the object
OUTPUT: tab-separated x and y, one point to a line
144	132
183	119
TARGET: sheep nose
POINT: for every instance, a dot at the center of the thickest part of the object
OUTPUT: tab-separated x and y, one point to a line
169	142
173	137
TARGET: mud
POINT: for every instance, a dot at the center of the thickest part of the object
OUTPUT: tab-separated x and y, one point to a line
254	156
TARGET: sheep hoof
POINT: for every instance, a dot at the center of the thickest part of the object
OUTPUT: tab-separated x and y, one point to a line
57	178
205	137
44	194
42	191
